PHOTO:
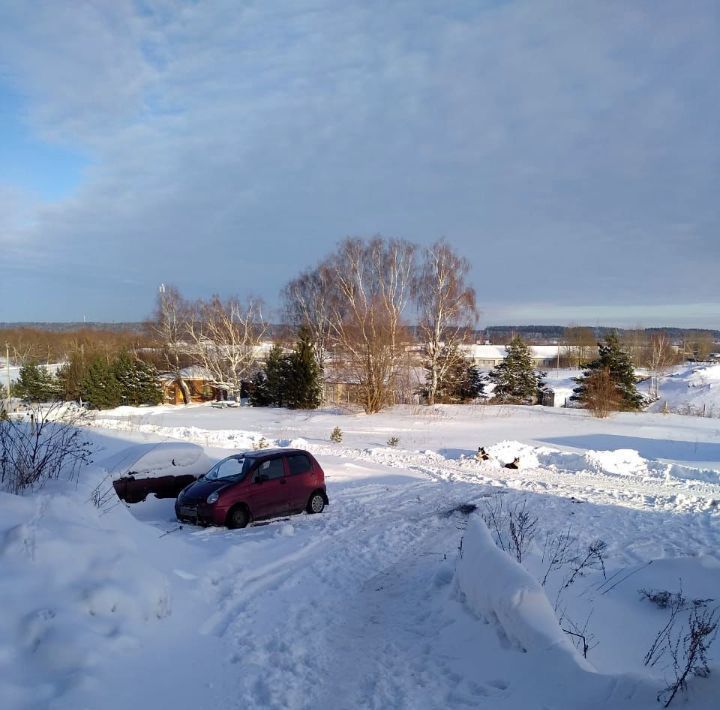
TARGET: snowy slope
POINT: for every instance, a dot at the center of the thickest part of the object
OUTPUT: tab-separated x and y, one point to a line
368	604
691	389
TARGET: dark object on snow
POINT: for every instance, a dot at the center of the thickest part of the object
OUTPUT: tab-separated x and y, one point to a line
548	398
463	509
514	464
481	454
135	490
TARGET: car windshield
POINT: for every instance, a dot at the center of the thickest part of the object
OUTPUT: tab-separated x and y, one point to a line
234	467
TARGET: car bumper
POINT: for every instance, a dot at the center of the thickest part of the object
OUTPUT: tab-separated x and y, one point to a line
199	514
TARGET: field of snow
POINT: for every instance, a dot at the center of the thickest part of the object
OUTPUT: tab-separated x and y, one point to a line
396	596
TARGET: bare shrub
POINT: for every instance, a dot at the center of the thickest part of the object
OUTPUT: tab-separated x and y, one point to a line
103	496
44	445
602	396
688	645
336	435
513	526
581	637
591	559
664	599
393	441
558	551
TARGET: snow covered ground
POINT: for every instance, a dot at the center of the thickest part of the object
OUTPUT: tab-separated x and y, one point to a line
395	596
692	389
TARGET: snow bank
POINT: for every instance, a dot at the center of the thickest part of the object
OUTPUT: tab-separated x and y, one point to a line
498	589
158	459
71	592
220	438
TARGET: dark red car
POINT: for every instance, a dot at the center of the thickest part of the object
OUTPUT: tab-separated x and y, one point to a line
254	485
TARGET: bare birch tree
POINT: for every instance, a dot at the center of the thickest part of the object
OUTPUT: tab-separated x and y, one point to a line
225	337
661	356
307	302
579	345
371	286
169	326
447	311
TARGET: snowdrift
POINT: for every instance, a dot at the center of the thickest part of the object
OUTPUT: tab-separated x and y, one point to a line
499	590
72	591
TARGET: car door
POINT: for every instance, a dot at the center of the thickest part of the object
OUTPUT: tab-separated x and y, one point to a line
270	491
300	481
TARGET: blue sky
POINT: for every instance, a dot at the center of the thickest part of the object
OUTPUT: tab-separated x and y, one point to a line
570	150
51	172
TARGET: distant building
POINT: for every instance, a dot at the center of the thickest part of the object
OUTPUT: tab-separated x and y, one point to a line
200	382
488	356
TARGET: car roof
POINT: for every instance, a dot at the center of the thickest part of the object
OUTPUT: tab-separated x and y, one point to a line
261	453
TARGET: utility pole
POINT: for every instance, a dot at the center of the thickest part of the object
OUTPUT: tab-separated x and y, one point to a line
7	367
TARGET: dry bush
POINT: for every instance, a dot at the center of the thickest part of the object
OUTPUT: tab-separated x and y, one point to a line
44	445
685	642
602	396
513	526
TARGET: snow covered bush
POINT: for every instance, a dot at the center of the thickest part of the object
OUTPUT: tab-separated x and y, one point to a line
393	441
336	435
42	446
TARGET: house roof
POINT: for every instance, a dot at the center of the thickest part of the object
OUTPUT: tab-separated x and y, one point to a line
498	352
194	372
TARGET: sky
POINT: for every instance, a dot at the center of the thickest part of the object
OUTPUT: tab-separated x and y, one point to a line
571	151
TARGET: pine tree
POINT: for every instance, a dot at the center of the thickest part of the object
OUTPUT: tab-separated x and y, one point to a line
36	384
461	380
137	381
515	378
100	386
70	377
269	383
618	364
302	376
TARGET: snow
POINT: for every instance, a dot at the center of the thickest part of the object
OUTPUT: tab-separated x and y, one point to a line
368	604
499	589
690	389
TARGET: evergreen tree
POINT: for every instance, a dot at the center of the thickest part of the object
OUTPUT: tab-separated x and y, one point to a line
302	376
137	381
36	384
259	395
461	381
100	386
70	377
515	378
618	364
269	383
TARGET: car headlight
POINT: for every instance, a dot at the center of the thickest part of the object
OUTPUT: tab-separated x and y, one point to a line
212	498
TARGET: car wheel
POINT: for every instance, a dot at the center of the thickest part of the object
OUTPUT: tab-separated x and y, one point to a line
238	517
316	504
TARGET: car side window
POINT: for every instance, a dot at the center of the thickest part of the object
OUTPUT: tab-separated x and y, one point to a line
299	463
272	468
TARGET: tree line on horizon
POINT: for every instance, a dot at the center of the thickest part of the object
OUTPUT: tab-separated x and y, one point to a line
367	313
